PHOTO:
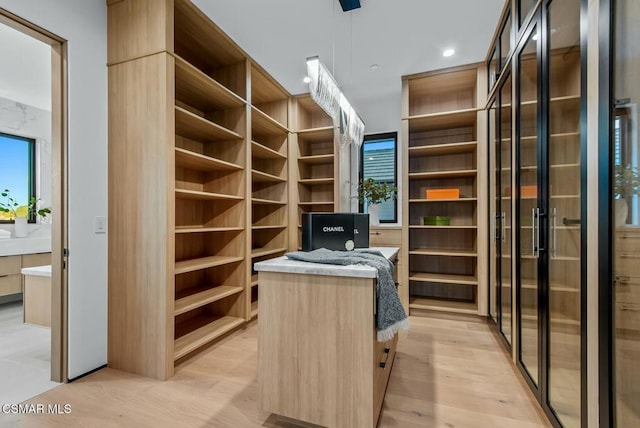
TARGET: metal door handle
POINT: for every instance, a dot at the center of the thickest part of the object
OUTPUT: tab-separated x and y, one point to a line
534	219
554	233
504	226
495	227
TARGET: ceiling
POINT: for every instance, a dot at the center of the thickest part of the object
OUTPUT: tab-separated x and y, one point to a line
400	36
25	75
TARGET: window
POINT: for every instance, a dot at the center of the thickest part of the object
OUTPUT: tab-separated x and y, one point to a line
378	160
17	173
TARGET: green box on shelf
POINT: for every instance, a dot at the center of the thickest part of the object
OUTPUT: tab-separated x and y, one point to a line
437	220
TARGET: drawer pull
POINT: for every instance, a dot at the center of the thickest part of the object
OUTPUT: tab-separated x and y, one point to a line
383	364
375	233
4	276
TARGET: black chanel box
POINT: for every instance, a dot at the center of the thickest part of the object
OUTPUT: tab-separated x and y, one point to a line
335	231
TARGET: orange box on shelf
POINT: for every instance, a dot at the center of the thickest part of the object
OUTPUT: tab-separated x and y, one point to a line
443	193
529	192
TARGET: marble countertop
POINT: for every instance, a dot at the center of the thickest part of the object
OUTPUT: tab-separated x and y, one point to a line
38	271
16	246
284	265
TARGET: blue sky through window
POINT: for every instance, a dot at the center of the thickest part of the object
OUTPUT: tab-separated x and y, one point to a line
14	174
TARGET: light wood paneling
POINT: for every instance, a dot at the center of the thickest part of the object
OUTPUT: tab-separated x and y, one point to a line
39	259
37	300
141	259
137	28
10	265
10	284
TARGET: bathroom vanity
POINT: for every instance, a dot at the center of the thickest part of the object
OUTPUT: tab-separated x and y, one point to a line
318	358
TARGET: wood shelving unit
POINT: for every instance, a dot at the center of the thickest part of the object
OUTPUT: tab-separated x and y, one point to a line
443	128
314	166
199	133
269	176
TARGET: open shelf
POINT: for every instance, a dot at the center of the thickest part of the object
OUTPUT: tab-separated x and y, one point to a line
254	280
254	309
204	263
314	135
443	278
424	303
201	330
192	126
311	181
275	226
448	119
195	194
317	159
197	297
443	174
424	201
201	91
206	229
261	151
261	252
442	252
443	149
263	124
420	226
311	203
198	162
263	177
266	202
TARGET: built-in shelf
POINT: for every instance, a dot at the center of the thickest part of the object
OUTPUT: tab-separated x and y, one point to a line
314	135
263	124
312	181
267	227
264	177
259	201
311	203
254	309
199	331
261	252
442	252
443	149
422	201
195	194
317	159
198	162
443	174
423	303
194	298
206	229
443	278
419	226
204	263
254	280
261	151
201	91
440	120
528	314
195	127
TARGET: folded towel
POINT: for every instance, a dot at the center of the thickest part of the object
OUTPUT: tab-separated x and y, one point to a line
390	316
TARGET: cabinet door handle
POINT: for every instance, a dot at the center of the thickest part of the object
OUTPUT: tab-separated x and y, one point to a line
503	233
496	216
535	235
3	276
554	233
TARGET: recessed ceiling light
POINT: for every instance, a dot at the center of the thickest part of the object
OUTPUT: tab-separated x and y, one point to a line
374	67
306	79
448	52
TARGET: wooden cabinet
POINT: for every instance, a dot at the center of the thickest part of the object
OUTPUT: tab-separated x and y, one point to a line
318	358
11	280
314	167
443	127
198	171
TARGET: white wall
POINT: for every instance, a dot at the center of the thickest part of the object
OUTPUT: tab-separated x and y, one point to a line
83	24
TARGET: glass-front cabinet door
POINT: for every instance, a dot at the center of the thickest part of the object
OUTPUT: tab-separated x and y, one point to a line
564	205
504	214
528	206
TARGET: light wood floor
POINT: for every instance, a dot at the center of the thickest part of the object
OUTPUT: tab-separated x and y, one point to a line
447	373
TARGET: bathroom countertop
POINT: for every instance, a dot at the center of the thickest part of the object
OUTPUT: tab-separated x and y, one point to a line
30	245
285	265
44	271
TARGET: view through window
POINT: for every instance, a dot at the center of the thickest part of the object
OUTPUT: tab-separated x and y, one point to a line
17	172
378	161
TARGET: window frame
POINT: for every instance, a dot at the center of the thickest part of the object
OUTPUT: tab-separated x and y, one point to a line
32	179
377	137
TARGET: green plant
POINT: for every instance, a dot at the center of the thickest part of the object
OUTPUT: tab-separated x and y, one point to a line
627	181
11	207
374	192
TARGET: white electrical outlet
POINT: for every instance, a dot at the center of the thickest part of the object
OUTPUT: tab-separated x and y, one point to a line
100	225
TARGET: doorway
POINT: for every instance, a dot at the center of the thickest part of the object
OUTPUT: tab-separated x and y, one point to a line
34	123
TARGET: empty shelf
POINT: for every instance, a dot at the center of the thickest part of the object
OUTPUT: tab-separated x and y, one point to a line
421	201
424	303
316	159
312	181
204	263
443	278
316	203
206	329
315	135
194	299
419	226
444	174
261	252
263	124
192	160
443	252
259	201
195	194
264	177
267	227
261	151
205	229
443	149
192	126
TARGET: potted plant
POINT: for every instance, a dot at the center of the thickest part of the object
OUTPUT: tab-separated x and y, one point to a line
13	210
374	193
627	185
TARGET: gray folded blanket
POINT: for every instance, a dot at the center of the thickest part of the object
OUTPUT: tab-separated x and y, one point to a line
390	317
